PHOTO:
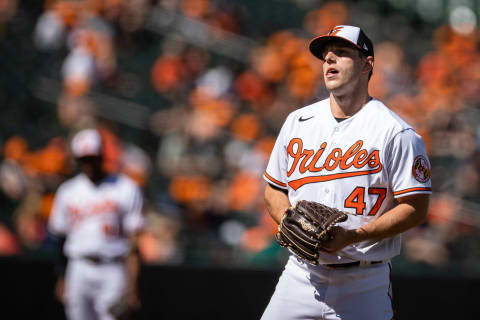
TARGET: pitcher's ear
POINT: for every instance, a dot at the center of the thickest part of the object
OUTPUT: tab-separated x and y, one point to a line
371	61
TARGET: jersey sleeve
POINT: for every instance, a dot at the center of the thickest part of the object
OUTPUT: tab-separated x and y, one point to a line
276	172
58	220
408	166
134	219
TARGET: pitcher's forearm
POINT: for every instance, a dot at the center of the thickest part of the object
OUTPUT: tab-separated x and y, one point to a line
407	214
276	201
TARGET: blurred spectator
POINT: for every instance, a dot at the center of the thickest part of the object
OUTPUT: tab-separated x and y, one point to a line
320	21
160	243
8	242
8	8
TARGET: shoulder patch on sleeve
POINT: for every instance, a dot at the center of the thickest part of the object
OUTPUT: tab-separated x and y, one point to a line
421	169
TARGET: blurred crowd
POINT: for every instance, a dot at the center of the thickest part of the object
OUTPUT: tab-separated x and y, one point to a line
219	118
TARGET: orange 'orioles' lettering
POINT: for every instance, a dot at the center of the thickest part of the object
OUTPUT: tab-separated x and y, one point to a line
354	156
77	213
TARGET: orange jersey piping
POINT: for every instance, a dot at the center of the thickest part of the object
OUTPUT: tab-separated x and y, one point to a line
274	180
396	193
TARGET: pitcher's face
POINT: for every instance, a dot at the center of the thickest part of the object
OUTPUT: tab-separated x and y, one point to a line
342	67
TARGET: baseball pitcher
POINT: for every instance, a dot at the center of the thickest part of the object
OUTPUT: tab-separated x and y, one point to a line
345	178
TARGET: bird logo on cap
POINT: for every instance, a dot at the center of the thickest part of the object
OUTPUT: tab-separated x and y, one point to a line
334	31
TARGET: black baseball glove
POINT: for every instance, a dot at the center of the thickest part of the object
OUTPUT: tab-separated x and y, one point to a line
305	226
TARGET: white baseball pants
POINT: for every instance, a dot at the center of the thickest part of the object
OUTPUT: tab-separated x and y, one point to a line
91	289
317	292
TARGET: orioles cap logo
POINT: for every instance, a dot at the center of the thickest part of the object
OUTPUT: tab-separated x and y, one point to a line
421	169
334	31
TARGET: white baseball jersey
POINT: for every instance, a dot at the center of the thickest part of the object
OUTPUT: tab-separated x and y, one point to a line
358	165
97	219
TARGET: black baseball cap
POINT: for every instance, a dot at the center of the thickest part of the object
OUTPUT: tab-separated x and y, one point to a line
351	34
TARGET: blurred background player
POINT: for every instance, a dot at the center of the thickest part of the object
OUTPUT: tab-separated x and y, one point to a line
99	216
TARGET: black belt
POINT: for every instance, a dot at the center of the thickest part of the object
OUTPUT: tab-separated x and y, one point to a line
351	264
104	260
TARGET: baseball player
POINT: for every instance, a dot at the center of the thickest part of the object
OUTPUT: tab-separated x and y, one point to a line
99	214
352	153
